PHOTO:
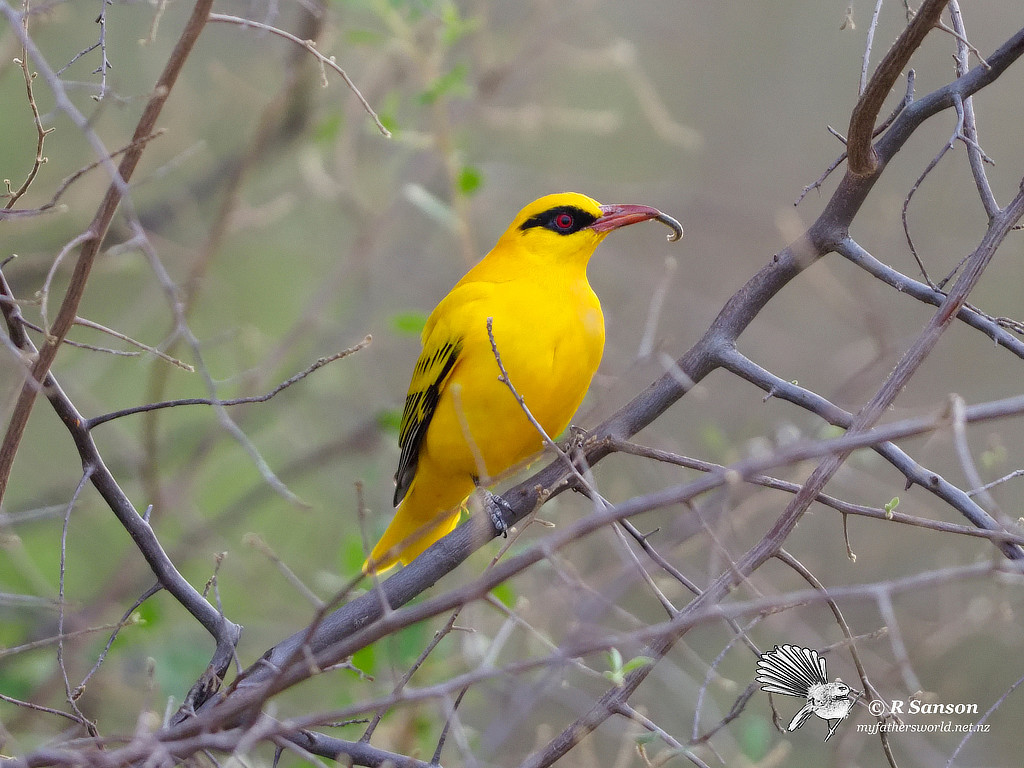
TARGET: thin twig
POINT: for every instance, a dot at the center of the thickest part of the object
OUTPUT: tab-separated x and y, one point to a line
71	696
320	363
257	542
983	720
51	205
885	599
975	155
123	622
548	442
40	708
957	133
309	45
41	133
867	47
588	643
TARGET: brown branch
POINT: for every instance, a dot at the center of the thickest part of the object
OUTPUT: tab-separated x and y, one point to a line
843	507
353	752
741	309
41	132
844	627
40	708
336	633
227	710
863	160
107	350
96	232
280	120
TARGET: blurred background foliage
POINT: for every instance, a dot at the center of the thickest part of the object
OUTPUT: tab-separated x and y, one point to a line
292	229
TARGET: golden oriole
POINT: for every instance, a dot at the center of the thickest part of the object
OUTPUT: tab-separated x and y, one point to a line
461	423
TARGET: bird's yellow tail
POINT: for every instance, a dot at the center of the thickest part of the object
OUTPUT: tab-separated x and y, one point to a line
418	522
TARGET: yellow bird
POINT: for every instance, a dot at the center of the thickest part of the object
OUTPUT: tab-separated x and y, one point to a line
461	424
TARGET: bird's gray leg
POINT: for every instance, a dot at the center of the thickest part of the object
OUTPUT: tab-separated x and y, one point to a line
498	510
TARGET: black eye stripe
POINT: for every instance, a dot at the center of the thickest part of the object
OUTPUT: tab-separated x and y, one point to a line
555	220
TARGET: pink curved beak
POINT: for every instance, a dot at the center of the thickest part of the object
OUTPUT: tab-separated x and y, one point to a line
615	216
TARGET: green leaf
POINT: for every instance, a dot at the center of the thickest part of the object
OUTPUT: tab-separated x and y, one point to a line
148	614
470	180
636	663
505	594
409	323
893	503
714	439
328	130
994	457
456	27
366	659
390	420
614	674
452	83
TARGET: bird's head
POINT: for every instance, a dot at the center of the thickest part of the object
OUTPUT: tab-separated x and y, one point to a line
570	226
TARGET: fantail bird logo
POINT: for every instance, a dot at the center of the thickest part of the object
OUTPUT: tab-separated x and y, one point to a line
793	671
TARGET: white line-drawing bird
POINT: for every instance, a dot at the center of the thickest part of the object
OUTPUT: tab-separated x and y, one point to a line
793	671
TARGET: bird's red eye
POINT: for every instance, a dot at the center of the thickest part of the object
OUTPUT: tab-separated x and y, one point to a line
563	221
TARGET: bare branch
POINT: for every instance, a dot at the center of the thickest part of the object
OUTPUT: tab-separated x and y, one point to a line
309	45
41	133
95	421
863	159
93	237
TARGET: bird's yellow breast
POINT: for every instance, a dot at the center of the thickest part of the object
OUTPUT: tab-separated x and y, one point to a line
549	334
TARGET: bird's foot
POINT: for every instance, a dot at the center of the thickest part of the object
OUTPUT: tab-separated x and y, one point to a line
498	510
577	437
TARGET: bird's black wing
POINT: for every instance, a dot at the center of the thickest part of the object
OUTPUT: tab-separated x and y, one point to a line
790	670
432	370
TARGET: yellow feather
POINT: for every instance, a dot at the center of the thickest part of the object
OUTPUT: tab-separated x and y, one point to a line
549	332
